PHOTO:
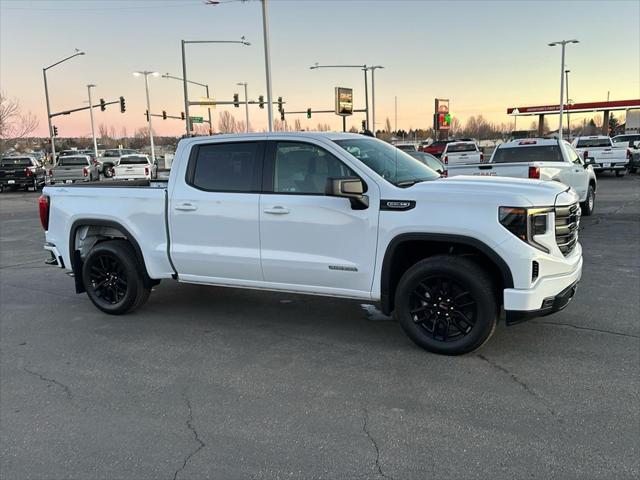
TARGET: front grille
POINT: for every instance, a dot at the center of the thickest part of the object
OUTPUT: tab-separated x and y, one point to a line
567	223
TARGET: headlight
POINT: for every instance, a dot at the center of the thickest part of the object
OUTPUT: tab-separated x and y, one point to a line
526	223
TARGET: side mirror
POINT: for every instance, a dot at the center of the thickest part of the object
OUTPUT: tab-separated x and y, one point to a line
348	187
589	161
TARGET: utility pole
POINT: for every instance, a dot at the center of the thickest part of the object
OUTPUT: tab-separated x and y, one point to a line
146	86
563	44
93	130
267	61
395	114
373	97
566	74
246	104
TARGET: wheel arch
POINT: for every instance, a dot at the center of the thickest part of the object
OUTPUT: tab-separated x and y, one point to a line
113	230
407	248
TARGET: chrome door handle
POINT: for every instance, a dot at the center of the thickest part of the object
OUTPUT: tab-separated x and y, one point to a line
186	207
277	210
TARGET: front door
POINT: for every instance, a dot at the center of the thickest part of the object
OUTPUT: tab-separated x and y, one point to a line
213	214
309	240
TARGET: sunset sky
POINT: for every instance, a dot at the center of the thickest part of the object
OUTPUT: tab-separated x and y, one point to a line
483	56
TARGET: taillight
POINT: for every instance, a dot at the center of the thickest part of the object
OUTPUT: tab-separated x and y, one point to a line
113	172
585	154
85	171
51	172
28	172
534	172
629	155
481	157
446	160
146	171
445	173
43	204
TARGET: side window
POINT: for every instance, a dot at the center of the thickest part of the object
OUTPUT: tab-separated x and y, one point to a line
305	168
225	167
573	156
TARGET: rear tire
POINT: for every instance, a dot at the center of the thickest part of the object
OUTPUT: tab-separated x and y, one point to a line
447	305
589	205
113	278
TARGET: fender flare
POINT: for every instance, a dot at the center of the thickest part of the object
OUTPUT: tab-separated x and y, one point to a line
74	255
386	299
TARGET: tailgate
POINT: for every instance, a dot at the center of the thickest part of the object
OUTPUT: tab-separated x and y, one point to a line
130	171
8	173
515	170
67	173
463	158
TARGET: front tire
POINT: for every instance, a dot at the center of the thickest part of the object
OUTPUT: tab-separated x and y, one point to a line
113	278
589	204
447	305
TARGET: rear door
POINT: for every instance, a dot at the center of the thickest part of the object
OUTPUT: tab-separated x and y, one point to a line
311	241
213	213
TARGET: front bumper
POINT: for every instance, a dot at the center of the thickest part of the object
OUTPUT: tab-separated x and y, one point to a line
547	296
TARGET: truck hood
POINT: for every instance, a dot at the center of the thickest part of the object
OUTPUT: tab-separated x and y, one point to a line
505	191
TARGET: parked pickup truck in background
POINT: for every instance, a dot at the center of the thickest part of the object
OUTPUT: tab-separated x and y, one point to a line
131	167
539	159
436	148
74	168
632	143
21	172
333	214
461	153
600	152
110	159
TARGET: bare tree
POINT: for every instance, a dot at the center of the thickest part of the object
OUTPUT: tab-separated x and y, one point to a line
241	126
103	130
387	125
112	132
124	133
353	129
14	123
297	126
226	123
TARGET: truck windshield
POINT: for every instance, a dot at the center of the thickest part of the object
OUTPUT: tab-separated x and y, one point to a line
134	160
72	161
461	147
540	153
594	142
15	162
392	164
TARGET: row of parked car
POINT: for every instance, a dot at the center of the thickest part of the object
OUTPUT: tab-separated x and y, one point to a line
75	166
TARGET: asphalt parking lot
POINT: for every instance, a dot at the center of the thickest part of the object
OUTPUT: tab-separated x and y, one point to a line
219	383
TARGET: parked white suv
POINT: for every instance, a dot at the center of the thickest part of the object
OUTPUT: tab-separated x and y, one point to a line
340	215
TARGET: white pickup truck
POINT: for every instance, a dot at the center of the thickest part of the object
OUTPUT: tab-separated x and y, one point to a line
539	159
134	167
603	155
334	214
461	153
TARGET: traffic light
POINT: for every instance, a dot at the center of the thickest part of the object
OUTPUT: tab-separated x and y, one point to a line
146	113
280	104
236	100
164	114
123	107
364	125
308	113
103	106
55	131
181	115
282	114
261	101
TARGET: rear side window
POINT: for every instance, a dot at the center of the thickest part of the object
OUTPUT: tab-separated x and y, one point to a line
72	161
540	153
594	142
226	167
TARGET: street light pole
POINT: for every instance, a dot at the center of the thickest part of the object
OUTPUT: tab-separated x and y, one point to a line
46	94
146	86
566	73
373	97
246	105
184	75
206	87
366	97
563	44
267	61
93	130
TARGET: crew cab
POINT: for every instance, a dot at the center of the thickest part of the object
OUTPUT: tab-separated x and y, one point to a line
74	168
539	159
631	142
600	152
131	167
333	214
21	172
461	153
